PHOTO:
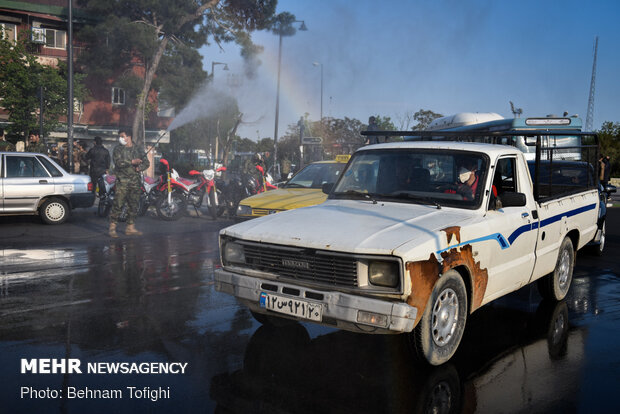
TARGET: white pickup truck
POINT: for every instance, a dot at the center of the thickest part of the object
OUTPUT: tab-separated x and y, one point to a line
415	236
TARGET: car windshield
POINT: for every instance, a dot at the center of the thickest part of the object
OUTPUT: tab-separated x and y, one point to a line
315	175
415	176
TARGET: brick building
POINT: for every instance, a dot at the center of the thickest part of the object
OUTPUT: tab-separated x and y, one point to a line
106	109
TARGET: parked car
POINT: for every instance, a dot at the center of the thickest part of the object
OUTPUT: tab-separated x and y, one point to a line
302	190
34	184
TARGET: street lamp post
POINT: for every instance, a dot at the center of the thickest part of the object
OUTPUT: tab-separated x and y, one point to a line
320	64
303	28
213	64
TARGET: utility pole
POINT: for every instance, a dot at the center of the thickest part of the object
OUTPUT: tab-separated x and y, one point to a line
590	115
70	87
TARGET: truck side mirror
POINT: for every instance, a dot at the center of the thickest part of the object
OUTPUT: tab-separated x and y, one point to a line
511	199
327	187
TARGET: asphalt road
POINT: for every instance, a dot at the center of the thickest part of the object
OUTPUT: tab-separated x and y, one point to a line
72	292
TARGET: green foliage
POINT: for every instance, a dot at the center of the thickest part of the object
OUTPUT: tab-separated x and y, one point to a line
609	142
21	77
164	37
424	118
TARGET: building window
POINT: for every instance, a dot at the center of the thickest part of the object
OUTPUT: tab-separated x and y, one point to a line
8	31
56	39
118	96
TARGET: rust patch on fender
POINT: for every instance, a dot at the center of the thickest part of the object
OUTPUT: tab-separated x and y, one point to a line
453	231
464	257
425	273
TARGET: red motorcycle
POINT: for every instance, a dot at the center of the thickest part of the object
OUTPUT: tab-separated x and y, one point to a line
172	202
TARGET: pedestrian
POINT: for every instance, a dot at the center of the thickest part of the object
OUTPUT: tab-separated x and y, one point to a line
35	144
98	160
129	162
4	144
607	170
372	126
82	159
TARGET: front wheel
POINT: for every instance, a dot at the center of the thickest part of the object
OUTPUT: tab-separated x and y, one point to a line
172	210
213	203
556	284
54	211
441	328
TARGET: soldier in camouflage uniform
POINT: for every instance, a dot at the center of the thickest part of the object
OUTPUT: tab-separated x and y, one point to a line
129	162
4	144
35	144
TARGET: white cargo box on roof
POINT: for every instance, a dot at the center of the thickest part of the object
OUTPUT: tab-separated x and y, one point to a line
463	119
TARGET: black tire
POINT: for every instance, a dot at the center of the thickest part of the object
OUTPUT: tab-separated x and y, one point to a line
105	204
556	284
171	211
54	211
441	328
213	205
598	248
143	205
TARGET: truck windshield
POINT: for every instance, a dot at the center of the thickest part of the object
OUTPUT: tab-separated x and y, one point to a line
453	178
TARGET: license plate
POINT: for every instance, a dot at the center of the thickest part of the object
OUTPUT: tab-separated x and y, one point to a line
294	307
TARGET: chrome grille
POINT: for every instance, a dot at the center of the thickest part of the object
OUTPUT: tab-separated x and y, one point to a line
308	265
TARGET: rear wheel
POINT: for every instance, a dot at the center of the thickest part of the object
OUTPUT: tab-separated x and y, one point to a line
556	284
599	246
441	328
103	209
54	211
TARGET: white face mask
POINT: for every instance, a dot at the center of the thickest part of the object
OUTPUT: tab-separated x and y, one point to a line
465	176
122	141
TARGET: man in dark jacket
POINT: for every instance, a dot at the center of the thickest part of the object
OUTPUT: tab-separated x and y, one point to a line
99	163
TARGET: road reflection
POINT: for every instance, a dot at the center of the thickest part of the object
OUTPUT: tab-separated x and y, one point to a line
509	361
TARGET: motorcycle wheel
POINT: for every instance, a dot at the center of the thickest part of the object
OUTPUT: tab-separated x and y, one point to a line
173	210
123	216
143	205
213	204
105	204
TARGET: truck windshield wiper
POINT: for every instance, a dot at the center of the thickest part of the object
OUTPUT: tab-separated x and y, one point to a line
359	194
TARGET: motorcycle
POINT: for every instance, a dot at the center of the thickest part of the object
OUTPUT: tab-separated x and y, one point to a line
107	200
171	203
240	185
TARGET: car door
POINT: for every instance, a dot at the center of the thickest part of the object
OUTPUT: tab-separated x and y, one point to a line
1	183
25	183
513	256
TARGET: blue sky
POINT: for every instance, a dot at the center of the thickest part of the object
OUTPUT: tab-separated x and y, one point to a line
391	57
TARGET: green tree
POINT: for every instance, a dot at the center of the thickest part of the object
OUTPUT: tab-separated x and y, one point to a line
609	143
424	118
21	79
155	31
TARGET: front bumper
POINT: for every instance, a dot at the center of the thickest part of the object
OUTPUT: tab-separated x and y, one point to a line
340	310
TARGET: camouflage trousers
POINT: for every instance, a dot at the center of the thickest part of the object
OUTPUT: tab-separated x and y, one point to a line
127	192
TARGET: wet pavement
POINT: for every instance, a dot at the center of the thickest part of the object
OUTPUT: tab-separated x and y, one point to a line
71	292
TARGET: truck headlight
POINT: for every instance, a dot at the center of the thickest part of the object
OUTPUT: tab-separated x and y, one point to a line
383	273
244	210
233	253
